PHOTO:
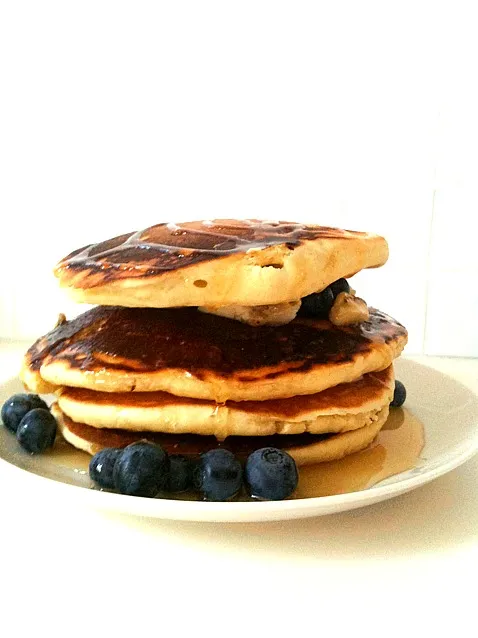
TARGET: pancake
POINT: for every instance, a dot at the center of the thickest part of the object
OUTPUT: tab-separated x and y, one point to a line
217	263
191	354
306	449
345	407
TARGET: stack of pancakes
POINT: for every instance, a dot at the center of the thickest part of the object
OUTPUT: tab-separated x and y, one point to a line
169	353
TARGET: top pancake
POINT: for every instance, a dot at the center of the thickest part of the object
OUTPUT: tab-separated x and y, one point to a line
217	263
191	354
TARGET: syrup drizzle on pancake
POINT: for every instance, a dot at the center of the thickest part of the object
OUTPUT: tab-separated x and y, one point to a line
170	246
146	340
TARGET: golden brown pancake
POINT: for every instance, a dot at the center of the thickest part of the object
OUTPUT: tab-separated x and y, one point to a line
306	449
217	263
347	406
191	354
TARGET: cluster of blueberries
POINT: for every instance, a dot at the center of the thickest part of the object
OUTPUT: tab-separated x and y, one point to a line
28	417
144	469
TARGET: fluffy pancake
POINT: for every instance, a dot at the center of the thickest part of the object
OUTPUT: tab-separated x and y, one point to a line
217	263
345	407
191	354
306	449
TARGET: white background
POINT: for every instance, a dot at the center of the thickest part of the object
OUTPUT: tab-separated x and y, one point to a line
118	115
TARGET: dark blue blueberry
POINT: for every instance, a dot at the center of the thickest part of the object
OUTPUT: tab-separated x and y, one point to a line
218	475
102	466
37	431
341	285
141	469
399	395
318	304
180	474
15	408
271	474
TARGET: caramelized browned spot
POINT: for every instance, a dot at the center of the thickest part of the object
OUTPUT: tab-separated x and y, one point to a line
345	396
166	247
188	444
148	340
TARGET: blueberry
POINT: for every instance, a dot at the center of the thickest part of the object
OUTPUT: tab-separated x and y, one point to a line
341	285
37	431
102	465
318	304
15	408
180	474
141	469
218	475
271	474
399	395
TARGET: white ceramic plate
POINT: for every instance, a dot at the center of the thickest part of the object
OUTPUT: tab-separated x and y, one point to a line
448	410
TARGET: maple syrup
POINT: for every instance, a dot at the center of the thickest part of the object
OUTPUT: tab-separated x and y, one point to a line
396	449
148	340
66	456
166	247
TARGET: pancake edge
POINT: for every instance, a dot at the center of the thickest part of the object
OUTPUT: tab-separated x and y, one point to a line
333	448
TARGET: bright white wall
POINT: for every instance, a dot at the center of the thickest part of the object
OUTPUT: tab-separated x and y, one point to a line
117	115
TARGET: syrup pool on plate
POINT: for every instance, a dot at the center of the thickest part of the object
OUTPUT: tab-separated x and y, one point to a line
396	449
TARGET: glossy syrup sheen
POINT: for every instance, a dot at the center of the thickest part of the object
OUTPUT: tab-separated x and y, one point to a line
170	246
149	339
396	449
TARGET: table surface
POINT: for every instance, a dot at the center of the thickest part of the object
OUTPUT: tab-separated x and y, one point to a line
404	565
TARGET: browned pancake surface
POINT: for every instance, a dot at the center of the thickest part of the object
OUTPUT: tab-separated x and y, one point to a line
167	247
148	340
